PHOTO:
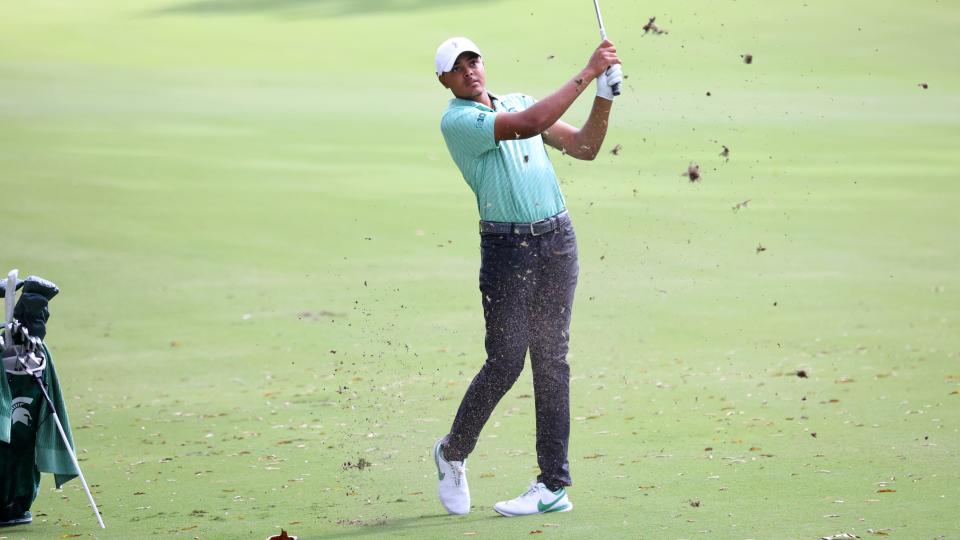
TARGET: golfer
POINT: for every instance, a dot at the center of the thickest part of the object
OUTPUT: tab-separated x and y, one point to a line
528	267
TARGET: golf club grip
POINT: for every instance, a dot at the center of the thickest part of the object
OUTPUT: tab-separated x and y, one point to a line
615	89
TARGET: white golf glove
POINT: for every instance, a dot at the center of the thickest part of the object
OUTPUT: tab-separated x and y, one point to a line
613	75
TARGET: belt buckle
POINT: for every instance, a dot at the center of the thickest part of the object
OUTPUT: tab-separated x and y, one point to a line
533	230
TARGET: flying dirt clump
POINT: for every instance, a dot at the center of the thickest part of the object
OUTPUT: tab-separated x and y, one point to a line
651	26
359	465
616	150
693	172
747	58
725	153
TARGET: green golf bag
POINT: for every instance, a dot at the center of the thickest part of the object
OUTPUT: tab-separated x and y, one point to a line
29	440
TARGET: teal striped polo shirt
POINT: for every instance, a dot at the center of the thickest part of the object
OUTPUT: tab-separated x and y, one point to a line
513	180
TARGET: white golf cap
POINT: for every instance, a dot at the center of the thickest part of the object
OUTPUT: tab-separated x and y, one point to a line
449	50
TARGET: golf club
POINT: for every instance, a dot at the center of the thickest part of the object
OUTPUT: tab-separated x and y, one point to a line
10	300
603	35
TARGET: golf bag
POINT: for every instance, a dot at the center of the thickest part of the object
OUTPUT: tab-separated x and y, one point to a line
29	439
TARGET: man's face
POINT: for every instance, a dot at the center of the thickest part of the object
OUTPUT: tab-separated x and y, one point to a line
466	79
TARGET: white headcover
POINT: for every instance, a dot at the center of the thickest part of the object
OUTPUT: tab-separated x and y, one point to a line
449	50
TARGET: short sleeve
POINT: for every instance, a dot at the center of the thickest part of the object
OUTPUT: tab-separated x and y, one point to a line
469	130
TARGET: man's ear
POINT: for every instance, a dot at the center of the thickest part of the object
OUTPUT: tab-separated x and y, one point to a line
440	78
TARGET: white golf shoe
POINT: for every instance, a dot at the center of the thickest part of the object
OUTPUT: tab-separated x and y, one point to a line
452	488
536	500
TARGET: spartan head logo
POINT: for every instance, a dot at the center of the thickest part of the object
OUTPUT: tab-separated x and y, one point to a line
20	411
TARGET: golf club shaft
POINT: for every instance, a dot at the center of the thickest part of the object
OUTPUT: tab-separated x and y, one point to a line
9	298
73	456
603	35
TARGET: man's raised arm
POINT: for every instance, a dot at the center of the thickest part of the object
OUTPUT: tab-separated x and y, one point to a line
547	112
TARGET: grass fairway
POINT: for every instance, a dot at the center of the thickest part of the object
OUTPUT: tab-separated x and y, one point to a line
269	266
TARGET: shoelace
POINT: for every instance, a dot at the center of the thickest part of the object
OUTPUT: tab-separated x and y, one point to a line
534	489
459	468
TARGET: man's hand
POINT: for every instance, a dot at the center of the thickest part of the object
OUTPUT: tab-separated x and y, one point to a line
605	82
603	57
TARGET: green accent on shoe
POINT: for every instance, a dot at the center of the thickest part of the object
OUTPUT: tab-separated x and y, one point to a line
543	508
436	459
560	508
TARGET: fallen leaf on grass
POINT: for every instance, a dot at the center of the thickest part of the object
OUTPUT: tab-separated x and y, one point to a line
536	531
839	536
886	490
68	535
761	248
695	503
879	532
593	456
924	85
802	373
487	475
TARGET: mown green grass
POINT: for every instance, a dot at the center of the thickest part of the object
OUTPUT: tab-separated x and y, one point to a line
269	266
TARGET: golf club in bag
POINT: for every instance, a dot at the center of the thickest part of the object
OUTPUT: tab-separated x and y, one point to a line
26	354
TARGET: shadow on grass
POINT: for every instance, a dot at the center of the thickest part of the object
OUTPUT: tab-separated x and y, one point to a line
414	527
322	8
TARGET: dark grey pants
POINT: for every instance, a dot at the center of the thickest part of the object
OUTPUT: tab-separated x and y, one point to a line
527	282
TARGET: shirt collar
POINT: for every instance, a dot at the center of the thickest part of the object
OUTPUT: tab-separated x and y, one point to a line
457	102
